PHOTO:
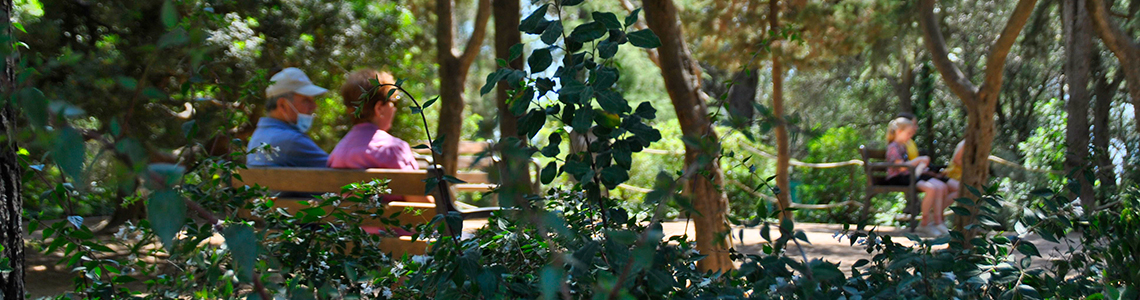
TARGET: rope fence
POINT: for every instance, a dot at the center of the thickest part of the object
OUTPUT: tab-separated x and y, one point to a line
853	162
798	163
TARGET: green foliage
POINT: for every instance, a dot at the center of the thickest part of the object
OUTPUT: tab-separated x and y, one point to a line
833	185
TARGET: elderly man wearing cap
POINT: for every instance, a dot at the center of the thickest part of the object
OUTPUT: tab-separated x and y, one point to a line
290	105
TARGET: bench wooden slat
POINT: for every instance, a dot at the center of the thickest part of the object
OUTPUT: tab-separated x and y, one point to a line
475	187
403	182
412	212
465	148
320	180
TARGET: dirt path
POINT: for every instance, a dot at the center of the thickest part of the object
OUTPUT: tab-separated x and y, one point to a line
828	244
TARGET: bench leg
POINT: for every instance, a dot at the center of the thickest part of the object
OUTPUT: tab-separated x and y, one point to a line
863	216
915	208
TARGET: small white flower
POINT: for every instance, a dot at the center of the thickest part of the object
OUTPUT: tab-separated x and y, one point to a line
387	292
420	259
367	289
324	265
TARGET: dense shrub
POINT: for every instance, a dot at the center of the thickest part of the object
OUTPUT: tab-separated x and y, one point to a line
833	185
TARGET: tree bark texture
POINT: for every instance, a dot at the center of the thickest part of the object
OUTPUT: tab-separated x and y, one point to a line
783	159
980	101
1103	92
513	169
923	99
1126	49
903	84
453	69
742	94
11	203
682	82
1078	59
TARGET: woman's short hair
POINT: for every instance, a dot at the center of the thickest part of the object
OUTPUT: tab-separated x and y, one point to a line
358	91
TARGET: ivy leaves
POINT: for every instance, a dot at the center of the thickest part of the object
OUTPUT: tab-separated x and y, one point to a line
588	99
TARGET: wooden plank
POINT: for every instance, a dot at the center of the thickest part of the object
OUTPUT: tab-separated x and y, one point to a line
474	177
475	187
403	182
411	212
465	148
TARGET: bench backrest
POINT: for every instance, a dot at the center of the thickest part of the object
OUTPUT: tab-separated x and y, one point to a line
403	182
875	176
320	180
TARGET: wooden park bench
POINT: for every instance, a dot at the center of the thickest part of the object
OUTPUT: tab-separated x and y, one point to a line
402	182
475	157
469	163
875	166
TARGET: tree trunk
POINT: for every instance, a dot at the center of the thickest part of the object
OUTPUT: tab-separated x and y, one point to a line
980	101
11	203
1078	58
976	152
1104	92
921	106
513	169
782	155
742	94
682	82
123	213
453	74
1122	45
903	85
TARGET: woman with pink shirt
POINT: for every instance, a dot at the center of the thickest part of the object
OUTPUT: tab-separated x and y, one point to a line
368	144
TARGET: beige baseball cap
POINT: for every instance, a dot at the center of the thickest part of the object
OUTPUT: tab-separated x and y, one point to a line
292	80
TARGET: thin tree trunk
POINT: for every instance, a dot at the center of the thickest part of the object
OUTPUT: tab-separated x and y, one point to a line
1078	58
742	94
783	163
1102	109
513	169
124	213
453	74
1127	51
11	203
923	100
903	85
682	82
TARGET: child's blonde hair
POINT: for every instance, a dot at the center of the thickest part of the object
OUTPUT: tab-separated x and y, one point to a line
898	125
